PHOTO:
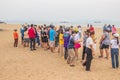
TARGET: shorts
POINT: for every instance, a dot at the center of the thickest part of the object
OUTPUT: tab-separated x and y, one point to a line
52	43
104	46
26	40
77	45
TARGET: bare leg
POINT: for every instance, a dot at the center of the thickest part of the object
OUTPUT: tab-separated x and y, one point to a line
107	53
101	53
76	53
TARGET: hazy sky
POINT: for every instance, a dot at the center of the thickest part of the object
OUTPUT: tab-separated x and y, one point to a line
57	10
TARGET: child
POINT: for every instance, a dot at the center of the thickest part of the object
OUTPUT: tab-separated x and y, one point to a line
61	42
71	54
66	41
89	51
115	50
15	34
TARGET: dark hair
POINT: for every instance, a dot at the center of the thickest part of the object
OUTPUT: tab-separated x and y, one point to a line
73	32
31	25
25	28
61	31
92	33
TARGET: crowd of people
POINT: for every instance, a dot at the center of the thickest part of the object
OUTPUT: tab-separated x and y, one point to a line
67	41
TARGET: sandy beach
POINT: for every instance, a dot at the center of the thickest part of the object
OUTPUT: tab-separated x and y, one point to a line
22	64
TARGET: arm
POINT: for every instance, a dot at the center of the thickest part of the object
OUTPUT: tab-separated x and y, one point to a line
102	38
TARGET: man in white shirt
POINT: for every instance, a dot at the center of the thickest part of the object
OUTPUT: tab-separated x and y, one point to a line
89	51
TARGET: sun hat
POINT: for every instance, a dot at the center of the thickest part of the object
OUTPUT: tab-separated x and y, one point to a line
116	35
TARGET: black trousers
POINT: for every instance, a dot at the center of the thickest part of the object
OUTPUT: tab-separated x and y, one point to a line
32	43
66	53
88	59
83	54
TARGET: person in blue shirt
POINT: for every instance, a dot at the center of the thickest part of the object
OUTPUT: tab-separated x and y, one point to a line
22	33
52	34
71	52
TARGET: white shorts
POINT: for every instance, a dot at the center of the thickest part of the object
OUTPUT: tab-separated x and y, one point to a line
52	43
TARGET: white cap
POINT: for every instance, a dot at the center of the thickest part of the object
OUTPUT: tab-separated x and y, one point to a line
116	35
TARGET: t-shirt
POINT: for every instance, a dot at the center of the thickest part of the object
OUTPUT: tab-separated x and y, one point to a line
15	34
31	33
61	39
84	40
114	44
22	31
106	41
71	43
80	30
77	37
113	30
66	39
91	29
89	42
52	35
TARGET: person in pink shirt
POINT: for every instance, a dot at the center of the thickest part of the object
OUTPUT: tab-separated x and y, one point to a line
91	28
32	35
113	29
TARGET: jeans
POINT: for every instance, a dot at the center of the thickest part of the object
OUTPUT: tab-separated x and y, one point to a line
32	43
37	40
66	53
115	58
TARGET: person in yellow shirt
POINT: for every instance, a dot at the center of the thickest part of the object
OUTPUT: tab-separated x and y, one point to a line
61	42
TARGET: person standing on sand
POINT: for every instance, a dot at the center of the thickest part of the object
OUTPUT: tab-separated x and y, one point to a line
61	42
85	36
32	36
114	30
92	28
52	38
71	53
26	37
77	44
22	34
115	44
104	43
89	51
80	31
15	34
66	37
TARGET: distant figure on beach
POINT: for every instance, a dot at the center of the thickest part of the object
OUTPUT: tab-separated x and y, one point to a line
115	44
104	43
104	27
91	28
15	34
22	33
114	30
32	35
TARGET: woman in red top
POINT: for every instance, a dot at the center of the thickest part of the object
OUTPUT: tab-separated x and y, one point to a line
91	28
